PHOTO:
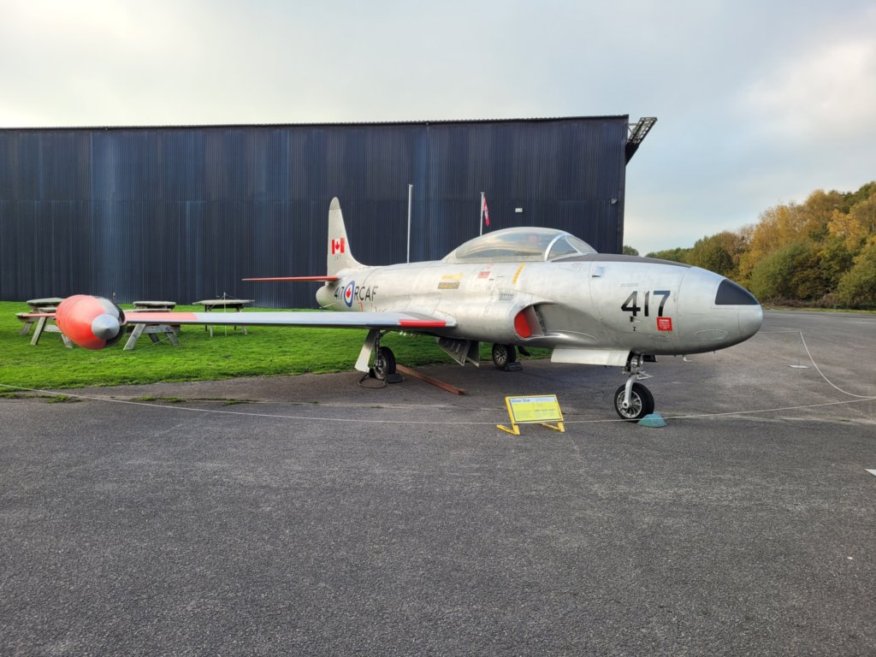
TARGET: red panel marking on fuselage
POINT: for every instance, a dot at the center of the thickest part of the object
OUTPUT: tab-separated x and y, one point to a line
664	323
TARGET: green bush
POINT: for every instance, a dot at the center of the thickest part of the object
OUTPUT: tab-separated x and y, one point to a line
857	288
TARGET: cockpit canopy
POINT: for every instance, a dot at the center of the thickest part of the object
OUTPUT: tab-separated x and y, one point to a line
524	243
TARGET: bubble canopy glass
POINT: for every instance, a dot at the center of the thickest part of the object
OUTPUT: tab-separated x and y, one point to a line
524	243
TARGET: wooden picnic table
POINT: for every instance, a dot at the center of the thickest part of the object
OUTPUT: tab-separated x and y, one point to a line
154	331
48	304
225	303
46	324
154	305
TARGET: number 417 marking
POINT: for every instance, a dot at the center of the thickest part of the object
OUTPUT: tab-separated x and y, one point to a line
631	305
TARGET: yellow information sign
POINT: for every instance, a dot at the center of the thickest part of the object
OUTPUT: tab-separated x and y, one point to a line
533	409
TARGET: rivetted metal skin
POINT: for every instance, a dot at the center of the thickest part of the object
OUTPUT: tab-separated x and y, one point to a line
187	212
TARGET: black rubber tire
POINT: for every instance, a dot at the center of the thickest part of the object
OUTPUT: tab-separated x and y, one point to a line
503	354
384	363
641	402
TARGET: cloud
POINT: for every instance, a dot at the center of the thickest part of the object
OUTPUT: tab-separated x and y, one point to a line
758	102
89	63
823	87
826	93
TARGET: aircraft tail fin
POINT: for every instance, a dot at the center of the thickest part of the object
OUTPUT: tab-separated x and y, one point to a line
338	254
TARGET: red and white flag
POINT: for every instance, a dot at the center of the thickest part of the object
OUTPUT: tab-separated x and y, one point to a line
486	212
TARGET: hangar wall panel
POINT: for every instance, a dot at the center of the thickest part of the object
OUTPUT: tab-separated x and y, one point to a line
185	213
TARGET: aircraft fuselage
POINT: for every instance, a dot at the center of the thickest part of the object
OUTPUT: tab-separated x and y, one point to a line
600	302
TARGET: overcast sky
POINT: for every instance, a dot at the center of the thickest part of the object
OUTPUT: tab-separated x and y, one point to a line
758	102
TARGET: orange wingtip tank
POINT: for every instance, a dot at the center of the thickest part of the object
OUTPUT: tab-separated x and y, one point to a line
90	322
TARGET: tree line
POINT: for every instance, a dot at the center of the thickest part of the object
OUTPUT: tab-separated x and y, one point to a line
821	252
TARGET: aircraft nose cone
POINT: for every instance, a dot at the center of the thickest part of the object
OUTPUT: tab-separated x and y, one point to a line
748	311
105	327
750	320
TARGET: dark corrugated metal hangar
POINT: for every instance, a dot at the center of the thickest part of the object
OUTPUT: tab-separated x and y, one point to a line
186	212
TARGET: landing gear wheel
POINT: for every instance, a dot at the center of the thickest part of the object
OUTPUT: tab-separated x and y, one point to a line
641	402
504	355
384	364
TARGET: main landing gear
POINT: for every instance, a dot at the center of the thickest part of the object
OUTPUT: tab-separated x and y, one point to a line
375	361
633	401
384	364
505	357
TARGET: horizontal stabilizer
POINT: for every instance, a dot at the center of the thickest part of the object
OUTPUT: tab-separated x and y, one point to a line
298	279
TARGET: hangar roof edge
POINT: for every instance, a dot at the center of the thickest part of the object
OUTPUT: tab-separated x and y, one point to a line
207	126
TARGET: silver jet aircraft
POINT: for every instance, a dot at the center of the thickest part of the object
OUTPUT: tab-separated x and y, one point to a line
513	288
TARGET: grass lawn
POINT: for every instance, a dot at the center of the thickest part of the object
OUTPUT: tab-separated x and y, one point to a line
266	350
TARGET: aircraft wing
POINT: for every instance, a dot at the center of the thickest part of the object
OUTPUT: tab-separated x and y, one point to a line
370	320
94	322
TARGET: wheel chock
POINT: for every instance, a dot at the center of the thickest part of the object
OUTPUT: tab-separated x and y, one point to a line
653	421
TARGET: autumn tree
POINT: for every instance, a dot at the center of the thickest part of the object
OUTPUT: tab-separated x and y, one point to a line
783	225
855	225
719	253
790	274
675	255
819	252
834	260
857	288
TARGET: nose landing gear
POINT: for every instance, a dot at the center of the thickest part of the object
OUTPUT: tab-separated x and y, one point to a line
633	401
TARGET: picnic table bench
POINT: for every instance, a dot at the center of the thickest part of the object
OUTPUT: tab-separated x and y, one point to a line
224	304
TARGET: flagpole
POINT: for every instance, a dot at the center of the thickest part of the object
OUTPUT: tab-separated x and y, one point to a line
410	194
481	225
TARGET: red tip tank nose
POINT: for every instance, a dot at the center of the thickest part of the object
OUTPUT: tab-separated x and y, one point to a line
90	322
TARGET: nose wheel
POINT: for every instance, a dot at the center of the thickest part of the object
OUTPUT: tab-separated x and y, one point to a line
632	400
641	402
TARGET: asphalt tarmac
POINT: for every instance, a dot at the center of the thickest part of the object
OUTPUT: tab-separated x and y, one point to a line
311	516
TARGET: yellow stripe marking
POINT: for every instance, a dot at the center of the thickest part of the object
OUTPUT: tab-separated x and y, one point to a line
517	273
